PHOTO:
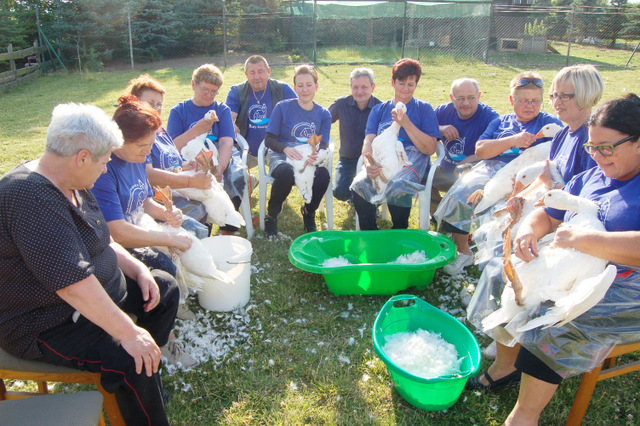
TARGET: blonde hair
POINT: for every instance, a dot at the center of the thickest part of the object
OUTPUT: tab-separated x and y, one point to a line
208	73
144	82
305	69
587	83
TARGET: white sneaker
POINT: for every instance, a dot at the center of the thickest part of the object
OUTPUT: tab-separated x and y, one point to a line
175	353
459	264
184	313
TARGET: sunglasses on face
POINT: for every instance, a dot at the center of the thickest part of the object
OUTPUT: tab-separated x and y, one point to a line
605	150
529	80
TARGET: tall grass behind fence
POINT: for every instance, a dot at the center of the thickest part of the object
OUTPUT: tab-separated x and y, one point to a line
344	32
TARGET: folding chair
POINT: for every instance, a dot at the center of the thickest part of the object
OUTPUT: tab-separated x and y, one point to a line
20	369
245	206
265	179
590	379
424	197
74	409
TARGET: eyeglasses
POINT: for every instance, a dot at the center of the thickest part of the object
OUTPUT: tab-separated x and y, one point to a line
528	102
564	97
461	99
207	92
528	80
605	150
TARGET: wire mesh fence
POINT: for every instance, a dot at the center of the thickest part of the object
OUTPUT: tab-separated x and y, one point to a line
92	33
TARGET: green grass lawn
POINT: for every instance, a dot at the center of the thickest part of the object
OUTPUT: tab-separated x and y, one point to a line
296	354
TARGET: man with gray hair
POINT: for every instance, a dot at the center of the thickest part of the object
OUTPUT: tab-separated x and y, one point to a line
461	123
252	102
352	111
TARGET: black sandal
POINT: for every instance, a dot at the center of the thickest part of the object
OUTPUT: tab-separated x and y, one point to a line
474	383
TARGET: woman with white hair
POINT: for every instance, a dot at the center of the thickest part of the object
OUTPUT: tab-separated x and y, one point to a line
65	285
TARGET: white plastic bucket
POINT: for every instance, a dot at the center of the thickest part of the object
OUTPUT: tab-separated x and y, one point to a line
232	255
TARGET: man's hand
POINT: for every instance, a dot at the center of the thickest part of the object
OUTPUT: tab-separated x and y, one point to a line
148	288
449	132
174	217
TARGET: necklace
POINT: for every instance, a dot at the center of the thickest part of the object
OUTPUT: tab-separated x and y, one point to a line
263	93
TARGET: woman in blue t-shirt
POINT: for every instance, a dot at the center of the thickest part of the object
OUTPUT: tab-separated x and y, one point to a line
293	122
419	135
187	120
504	139
165	164
544	357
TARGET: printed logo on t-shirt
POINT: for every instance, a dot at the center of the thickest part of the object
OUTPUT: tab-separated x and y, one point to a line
383	126
169	161
258	115
303	131
561	161
137	195
455	149
603	209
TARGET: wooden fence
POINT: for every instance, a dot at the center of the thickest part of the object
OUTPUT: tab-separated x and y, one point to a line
32	67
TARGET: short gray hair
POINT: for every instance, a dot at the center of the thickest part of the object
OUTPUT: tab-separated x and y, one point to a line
459	82
75	127
362	72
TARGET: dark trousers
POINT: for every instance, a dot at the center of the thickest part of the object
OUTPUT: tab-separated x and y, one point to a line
85	346
529	364
283	181
345	171
154	259
367	214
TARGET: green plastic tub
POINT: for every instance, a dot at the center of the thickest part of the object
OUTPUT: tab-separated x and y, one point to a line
410	313
369	253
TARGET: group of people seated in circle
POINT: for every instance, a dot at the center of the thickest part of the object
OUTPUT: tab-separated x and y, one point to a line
74	282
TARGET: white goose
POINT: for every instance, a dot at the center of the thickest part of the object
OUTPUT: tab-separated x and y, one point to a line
220	209
304	174
574	280
191	150
388	152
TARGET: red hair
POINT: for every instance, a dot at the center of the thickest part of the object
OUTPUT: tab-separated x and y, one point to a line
405	68
136	119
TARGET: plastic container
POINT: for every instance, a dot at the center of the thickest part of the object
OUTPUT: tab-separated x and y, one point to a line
369	253
231	255
410	313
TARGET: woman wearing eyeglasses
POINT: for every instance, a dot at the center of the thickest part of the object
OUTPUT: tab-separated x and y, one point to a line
504	139
187	121
546	356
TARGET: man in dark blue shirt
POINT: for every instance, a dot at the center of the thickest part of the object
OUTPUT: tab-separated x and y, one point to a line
352	111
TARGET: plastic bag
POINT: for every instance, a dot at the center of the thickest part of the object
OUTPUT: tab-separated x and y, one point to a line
453	208
581	344
401	188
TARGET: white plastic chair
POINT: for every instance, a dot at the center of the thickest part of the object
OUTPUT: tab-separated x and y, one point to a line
245	205
424	197
265	179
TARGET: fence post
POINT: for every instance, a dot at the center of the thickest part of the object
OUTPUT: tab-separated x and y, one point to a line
486	52
12	62
315	39
573	15
130	38
224	31
404	24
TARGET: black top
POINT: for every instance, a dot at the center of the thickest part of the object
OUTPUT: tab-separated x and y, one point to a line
353	122
46	244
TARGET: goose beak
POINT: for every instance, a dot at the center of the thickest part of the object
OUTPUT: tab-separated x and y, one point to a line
540	202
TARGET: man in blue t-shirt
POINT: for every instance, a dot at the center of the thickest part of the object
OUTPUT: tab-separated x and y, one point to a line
352	111
252	102
461	123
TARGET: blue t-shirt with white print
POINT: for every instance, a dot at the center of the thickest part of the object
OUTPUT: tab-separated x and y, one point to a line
185	114
568	153
122	189
294	125
419	112
469	130
164	153
508	125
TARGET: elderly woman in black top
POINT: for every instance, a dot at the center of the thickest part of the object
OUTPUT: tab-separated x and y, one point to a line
65	285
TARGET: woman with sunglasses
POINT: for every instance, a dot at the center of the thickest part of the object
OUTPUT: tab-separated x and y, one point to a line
187	121
504	139
581	344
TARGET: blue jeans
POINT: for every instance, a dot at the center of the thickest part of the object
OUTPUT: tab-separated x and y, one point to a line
346	169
